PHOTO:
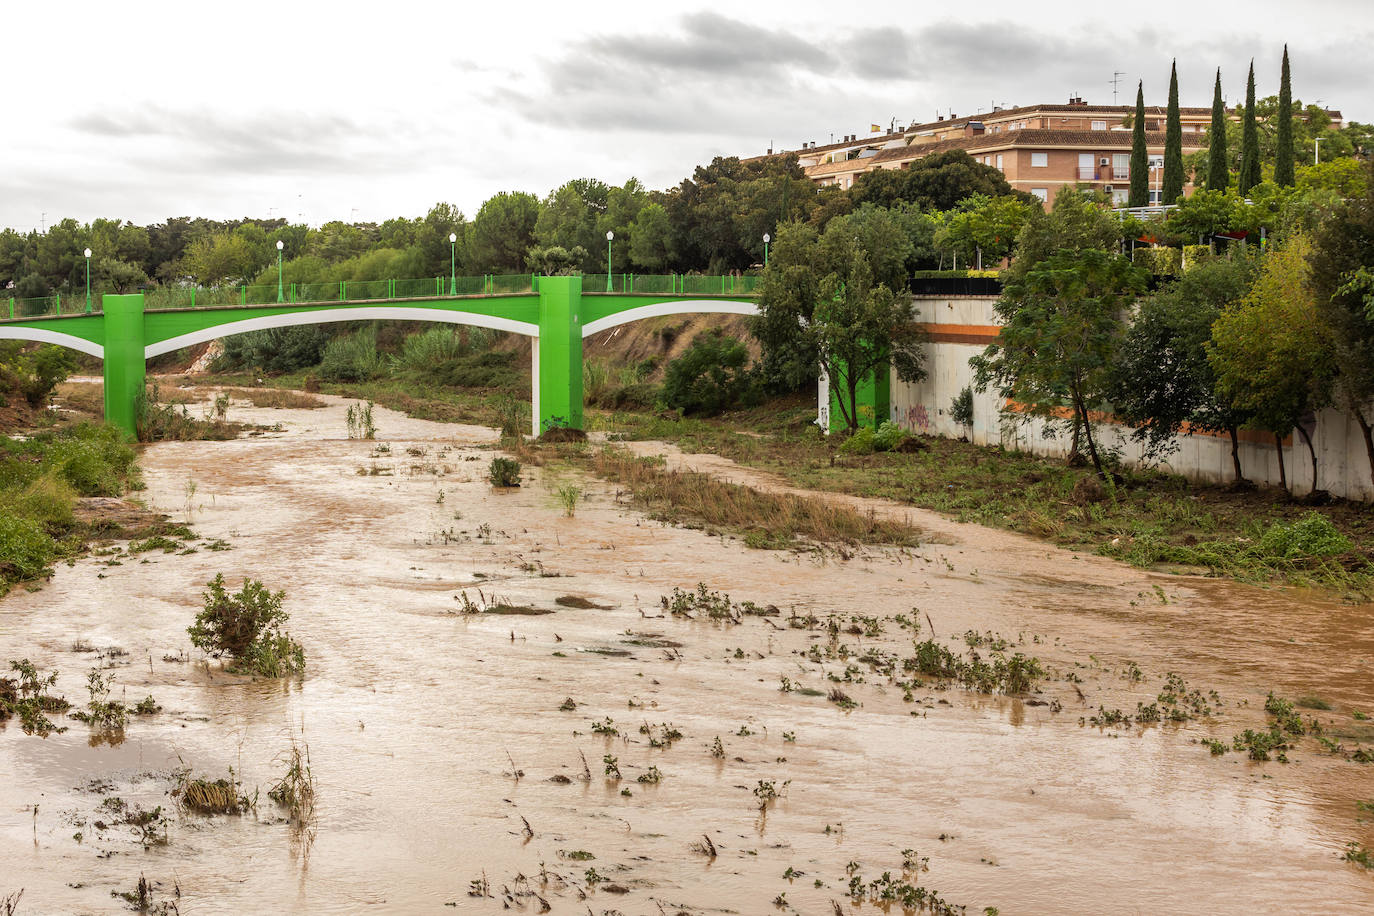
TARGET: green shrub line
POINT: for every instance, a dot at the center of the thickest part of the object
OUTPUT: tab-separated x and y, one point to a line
41	479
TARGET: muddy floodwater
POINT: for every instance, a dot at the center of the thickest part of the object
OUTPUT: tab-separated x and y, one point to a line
448	749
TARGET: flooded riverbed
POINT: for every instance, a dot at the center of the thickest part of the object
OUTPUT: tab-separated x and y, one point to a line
451	768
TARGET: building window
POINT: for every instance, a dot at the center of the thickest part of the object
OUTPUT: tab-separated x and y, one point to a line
1040	160
1121	166
1099	125
1120	196
999	160
1042	193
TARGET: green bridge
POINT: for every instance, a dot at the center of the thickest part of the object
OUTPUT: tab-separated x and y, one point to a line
557	313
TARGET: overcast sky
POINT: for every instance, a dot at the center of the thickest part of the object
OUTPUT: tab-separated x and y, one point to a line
323	111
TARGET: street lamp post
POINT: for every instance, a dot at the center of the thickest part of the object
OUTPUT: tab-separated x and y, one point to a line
281	296
88	281
453	263
766	239
1317	150
609	235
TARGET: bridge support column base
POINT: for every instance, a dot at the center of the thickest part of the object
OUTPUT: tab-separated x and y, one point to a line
125	367
872	401
557	395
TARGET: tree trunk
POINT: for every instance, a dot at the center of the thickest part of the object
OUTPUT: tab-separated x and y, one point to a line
1283	478
1235	454
1311	451
1081	411
1368	439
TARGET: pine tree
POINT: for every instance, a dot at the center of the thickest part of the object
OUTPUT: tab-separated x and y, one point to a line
1218	175
1173	145
1140	175
1283	157
1249	151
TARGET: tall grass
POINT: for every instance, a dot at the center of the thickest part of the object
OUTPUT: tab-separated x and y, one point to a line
353	357
767	519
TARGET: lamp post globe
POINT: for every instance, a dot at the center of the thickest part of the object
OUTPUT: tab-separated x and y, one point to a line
281	297
766	239
609	235
88	281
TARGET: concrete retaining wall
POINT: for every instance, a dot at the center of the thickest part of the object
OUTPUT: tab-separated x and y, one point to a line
960	327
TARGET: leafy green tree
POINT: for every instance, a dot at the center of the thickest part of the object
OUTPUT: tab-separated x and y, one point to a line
1060	332
1078	221
720	215
555	260
1271	351
1140	163
1283	155
1218	170
568	220
1341	260
860	329
983	228
936	182
821	306
622	206
1204	214
430	236
651	238
1172	186
502	232
222	257
1161	381
1249	157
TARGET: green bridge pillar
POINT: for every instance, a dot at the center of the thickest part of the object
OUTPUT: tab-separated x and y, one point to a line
558	355
124	363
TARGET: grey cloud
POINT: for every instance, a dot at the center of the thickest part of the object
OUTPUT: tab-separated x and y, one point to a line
282	142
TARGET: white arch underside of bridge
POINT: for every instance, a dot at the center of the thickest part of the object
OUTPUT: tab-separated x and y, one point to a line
324	316
41	335
674	307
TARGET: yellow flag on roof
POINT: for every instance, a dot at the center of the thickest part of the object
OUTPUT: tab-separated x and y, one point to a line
875	128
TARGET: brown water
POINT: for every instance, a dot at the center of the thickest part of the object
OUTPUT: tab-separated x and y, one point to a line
416	718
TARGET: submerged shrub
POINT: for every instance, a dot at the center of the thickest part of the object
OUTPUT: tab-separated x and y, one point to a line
504	472
247	627
25	550
1313	535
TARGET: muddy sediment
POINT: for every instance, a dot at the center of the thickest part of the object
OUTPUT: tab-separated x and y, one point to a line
468	753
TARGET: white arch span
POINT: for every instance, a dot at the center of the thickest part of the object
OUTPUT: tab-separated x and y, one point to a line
53	337
323	316
673	307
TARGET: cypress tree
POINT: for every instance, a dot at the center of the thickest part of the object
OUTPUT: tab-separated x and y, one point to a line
1249	151
1140	175
1218	175
1173	145
1283	157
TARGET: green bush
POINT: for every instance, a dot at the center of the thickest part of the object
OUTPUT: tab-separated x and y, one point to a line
888	437
711	376
861	443
247	627
491	369
353	357
504	472
274	350
25	550
961	409
1313	535
34	371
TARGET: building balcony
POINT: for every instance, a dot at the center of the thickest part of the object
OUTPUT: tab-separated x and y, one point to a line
1087	173
1121	174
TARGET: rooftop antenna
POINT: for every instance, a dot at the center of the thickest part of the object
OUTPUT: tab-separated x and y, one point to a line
1116	79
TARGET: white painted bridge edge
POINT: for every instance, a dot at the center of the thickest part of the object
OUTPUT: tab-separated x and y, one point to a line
324	316
674	307
53	337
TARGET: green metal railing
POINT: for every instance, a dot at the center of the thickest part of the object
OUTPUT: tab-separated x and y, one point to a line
189	297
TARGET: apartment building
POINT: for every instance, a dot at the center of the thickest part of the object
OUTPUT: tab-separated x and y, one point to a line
1040	148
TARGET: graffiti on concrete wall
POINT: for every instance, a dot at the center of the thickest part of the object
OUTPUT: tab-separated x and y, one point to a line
918	419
